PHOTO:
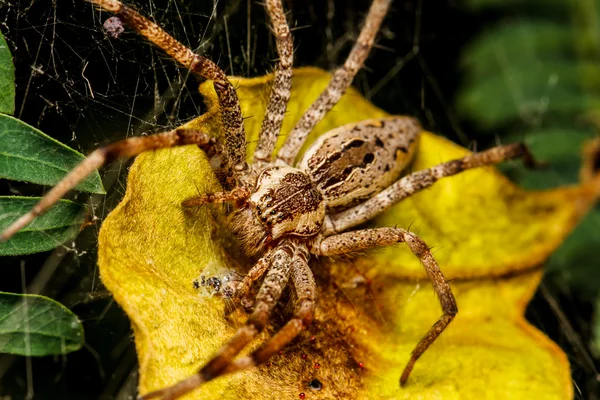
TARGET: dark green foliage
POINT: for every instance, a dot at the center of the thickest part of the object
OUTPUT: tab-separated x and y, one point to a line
7	79
28	155
534	76
33	325
48	231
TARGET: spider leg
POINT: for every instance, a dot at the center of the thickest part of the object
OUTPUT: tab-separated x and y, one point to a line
125	148
255	273
281	86
305	287
417	181
231	114
266	299
340	81
233	196
368	238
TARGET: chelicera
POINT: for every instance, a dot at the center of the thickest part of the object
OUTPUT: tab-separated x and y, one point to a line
291	208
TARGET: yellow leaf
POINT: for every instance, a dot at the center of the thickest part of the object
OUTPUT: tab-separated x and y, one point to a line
490	237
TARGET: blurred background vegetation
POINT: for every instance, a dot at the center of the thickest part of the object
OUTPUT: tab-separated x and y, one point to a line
481	72
531	74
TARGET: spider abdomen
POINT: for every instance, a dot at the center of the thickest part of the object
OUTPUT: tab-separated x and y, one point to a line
351	163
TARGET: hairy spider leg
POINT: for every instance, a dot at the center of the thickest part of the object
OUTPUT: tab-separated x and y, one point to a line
270	291
369	238
125	148
231	113
417	181
256	272
278	99
281	86
339	83
304	308
273	119
233	196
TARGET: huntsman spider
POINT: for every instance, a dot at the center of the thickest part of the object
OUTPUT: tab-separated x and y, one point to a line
289	207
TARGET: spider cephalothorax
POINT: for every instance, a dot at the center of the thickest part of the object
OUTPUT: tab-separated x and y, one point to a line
288	211
284	202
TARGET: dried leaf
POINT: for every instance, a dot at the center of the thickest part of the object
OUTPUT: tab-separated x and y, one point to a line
489	236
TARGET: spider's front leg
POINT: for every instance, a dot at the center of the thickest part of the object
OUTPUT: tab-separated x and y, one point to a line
280	261
369	238
125	148
306	292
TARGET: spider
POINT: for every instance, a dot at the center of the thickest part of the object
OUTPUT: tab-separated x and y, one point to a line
290	208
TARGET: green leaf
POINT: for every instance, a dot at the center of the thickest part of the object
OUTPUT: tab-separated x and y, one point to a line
539	74
32	325
528	93
521	41
7	79
59	224
27	154
560	149
575	263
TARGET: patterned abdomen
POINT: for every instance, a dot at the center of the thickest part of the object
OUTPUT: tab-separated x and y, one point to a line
353	162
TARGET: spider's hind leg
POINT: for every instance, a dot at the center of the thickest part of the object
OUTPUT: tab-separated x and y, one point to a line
419	180
281	86
340	81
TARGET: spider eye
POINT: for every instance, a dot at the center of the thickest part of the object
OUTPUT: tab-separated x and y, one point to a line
315	384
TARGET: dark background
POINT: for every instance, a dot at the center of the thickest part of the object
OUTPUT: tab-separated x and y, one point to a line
57	45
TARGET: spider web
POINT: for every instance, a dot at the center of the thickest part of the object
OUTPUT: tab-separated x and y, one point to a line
85	89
